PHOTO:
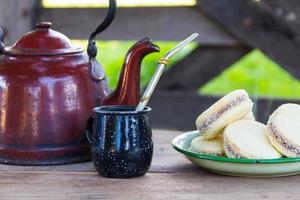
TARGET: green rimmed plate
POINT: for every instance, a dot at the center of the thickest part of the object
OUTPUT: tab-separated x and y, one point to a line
236	166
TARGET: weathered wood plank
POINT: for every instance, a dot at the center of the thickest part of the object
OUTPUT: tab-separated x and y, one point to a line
165	159
258	27
175	186
165	23
199	67
286	12
178	109
16	18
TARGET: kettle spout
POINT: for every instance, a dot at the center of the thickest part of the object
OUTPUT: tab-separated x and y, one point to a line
128	88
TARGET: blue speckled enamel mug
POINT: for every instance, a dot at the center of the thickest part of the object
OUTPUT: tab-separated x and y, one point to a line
121	141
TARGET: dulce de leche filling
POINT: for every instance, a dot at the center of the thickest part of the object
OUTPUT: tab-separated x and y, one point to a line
232	152
282	141
207	124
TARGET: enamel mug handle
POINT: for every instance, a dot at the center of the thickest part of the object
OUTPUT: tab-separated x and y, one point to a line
89	128
1	41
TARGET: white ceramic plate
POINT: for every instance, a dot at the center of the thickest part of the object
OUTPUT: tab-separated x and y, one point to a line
236	166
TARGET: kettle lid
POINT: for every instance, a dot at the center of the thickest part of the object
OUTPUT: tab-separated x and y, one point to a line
43	41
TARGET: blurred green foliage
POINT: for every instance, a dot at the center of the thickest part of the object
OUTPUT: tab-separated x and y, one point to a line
111	55
258	74
255	72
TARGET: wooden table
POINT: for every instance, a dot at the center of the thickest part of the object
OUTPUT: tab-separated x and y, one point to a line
171	177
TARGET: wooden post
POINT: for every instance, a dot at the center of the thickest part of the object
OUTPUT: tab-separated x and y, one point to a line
271	26
159	23
16	18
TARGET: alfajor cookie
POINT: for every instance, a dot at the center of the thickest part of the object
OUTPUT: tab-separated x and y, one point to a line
283	129
212	147
248	139
249	116
228	109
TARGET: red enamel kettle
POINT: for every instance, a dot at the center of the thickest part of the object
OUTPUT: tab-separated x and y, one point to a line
48	89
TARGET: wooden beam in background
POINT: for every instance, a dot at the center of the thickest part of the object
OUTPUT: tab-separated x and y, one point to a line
203	64
16	18
286	12
159	23
258	25
179	110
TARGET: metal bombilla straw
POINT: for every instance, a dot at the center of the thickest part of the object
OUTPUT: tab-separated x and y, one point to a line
163	62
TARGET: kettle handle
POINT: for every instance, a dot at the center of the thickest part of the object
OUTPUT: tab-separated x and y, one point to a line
1	41
95	69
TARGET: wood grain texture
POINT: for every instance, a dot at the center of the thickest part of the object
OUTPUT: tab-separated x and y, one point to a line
16	18
171	177
285	12
165	159
258	25
159	23
88	185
